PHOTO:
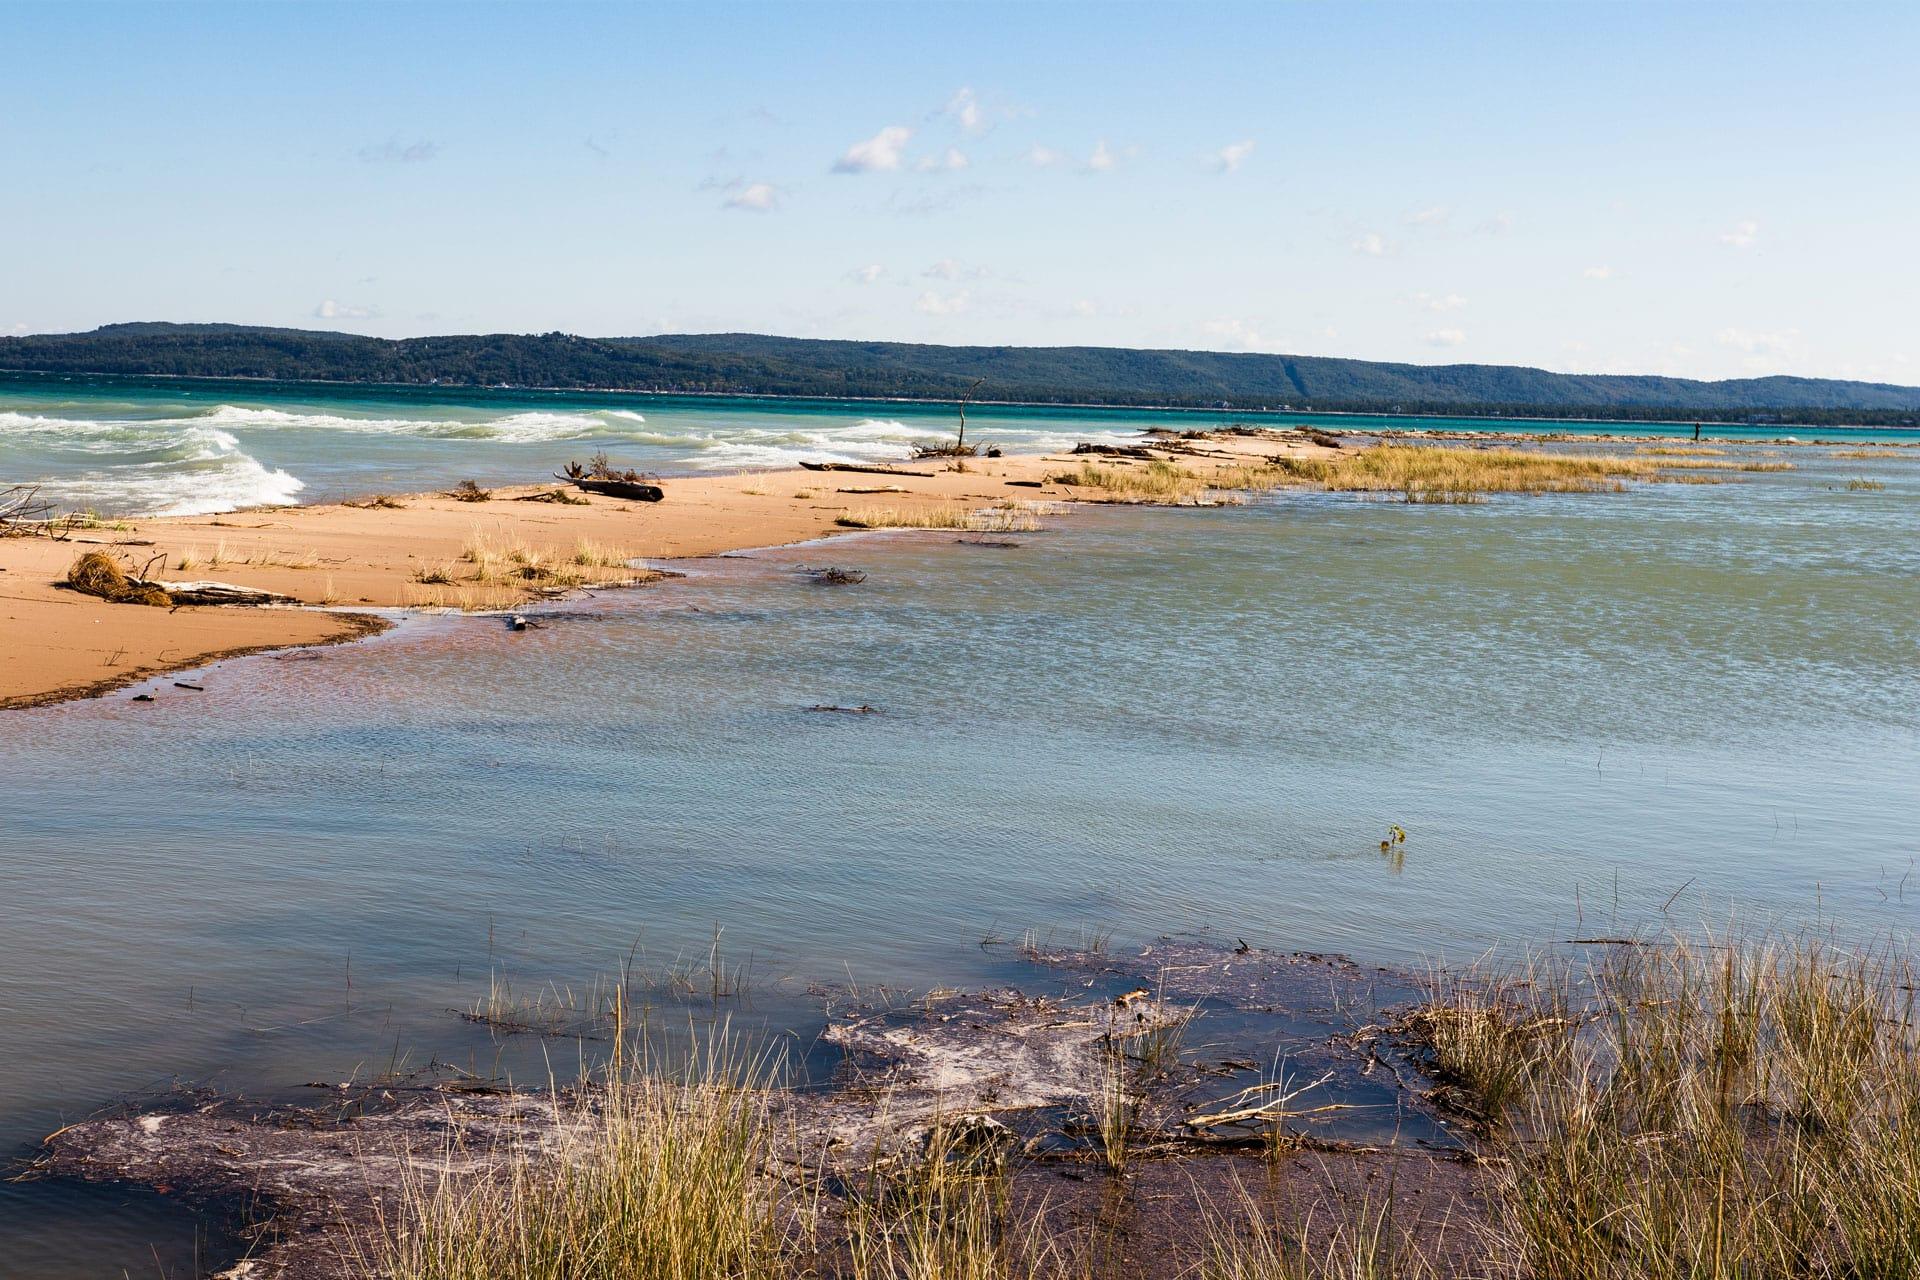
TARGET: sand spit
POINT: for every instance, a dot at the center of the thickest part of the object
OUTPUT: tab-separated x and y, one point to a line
441	551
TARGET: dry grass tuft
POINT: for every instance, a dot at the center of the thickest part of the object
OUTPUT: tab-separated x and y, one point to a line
1447	475
1669	451
1010	519
1861	484
98	574
469	491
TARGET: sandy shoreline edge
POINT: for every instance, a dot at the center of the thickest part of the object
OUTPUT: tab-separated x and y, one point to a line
60	645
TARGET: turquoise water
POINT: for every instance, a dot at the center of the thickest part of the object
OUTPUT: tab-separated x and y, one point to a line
189	446
1670	707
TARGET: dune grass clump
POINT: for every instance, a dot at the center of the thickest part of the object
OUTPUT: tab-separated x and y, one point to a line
98	574
658	1175
1011	519
1724	1110
1163	482
1670	451
1446	475
599	555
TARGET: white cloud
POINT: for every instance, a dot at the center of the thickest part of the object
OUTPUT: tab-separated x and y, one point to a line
1446	337
1434	217
869	274
1438	302
393	151
951	161
954	269
963	108
1233	155
1744	235
17	330
1600	273
755	197
1044	157
331	310
1371	244
879	153
1102	158
1085	307
934	304
1766	342
1497	225
1236	334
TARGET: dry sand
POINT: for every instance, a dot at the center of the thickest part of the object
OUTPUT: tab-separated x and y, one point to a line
57	644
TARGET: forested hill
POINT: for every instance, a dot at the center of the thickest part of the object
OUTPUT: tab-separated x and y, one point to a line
741	363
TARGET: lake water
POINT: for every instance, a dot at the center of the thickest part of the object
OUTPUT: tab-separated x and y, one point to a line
1592	714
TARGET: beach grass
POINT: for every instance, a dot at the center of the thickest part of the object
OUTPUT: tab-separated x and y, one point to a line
1863	484
1448	475
659	1174
1164	483
1006	519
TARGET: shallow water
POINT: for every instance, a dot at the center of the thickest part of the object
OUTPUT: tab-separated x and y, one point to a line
1592	714
141	446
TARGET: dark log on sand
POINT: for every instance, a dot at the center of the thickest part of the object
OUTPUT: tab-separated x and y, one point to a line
855	466
1140	451
635	490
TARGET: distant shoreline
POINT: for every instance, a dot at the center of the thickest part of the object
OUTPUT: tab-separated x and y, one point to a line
1679	418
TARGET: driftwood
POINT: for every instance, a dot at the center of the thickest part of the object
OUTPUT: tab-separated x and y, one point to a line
1140	451
601	476
862	467
635	490
214	593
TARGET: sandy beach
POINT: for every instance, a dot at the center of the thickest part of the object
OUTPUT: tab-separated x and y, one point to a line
328	559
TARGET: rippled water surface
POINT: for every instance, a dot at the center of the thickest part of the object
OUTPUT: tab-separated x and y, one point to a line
1591	714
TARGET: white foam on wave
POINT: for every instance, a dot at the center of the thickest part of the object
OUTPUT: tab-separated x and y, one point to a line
533	427
193	471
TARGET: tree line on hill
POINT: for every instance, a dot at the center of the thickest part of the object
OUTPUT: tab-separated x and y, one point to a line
756	364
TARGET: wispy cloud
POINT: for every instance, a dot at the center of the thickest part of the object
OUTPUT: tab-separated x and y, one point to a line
935	304
1103	159
393	151
1371	244
1744	235
1438	301
1044	157
963	108
1436	216
954	269
1236	334
880	153
1495	225
1600	273
1763	342
1446	337
331	310
952	160
1230	157
754	197
869	274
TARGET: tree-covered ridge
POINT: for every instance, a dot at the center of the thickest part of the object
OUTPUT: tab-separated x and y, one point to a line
755	364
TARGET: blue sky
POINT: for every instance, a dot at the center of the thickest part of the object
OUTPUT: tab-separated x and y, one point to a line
1710	190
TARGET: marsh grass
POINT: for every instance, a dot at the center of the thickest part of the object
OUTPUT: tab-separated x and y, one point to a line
1008	519
600	555
1364	1243
1446	475
1862	484
1113	1098
659	1173
1725	1111
1669	451
946	1213
1164	483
